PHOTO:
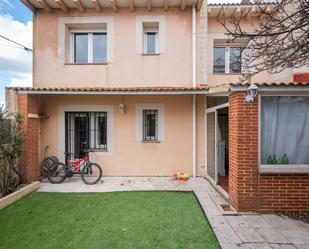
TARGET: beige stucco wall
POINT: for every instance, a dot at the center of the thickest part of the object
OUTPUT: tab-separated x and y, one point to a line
128	67
130	157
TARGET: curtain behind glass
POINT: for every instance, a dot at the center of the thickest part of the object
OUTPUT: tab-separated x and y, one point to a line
285	128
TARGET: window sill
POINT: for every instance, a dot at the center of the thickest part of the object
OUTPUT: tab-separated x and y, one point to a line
86	63
150	142
226	73
144	54
284	168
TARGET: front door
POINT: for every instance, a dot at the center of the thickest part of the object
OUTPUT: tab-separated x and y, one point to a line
76	134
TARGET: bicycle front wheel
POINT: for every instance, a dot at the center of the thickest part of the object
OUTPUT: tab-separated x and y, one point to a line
57	173
91	174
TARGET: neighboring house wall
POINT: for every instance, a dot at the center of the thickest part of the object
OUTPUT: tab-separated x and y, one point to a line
250	190
126	65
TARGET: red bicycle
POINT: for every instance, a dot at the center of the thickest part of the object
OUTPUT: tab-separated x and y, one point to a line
90	172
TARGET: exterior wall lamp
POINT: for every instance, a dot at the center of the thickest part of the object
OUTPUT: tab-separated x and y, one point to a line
251	93
122	108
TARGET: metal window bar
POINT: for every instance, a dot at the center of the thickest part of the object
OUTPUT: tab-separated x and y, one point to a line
84	130
150	125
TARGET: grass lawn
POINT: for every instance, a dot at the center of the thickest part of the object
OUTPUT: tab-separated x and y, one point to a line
106	220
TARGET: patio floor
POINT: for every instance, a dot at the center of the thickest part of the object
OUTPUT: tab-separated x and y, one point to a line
232	230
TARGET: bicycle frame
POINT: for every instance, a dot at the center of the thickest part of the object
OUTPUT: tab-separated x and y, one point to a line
76	165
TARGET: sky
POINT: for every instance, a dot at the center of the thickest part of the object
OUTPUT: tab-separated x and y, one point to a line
16	63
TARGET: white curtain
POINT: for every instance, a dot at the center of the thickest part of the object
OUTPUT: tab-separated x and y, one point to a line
285	128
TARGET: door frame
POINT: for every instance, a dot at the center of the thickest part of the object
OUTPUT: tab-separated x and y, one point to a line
213	109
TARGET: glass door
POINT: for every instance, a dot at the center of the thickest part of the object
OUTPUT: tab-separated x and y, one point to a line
211	162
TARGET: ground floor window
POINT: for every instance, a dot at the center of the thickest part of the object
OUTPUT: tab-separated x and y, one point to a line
284	129
85	130
150	125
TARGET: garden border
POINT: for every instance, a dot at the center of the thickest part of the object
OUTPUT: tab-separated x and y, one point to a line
13	197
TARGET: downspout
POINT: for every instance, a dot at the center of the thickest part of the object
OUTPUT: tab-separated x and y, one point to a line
194	96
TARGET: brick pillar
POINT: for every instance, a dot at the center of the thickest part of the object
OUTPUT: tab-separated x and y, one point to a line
243	153
29	160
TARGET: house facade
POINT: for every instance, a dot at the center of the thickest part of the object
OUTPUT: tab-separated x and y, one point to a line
153	88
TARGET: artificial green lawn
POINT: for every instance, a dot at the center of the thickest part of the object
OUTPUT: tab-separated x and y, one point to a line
106	220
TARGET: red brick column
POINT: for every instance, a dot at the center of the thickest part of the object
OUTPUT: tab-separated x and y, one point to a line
243	152
29	160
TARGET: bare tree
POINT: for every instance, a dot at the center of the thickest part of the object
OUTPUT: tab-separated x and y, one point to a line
279	41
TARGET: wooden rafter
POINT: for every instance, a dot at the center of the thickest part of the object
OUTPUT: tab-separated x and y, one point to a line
166	5
131	5
80	6
264	14
199	5
28	5
114	5
45	5
237	14
97	5
62	5
251	13
221	15
183	4
149	5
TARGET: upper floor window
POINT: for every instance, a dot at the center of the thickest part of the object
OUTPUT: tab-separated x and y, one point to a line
89	47
151	38
227	60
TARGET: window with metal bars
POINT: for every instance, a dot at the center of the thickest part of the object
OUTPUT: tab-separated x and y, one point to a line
150	125
85	130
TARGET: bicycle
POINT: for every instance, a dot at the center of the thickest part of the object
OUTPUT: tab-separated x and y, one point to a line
90	172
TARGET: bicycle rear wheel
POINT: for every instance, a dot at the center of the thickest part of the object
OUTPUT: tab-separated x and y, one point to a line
91	173
57	173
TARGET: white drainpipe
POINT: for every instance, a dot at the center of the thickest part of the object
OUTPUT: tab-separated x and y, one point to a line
194	85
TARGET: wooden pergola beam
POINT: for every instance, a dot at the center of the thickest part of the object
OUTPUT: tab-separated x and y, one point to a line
97	5
183	4
80	6
45	5
114	5
63	6
166	5
131	5
149	5
199	5
251	13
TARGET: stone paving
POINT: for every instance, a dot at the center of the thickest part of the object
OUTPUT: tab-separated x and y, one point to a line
232	230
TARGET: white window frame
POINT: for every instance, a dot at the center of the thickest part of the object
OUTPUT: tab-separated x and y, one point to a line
89	33
277	168
226	58
151	30
139	121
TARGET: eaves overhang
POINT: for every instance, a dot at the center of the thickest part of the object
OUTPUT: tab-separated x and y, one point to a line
111	90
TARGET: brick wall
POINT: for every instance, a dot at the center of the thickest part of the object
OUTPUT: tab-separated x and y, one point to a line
29	160
284	193
243	155
249	191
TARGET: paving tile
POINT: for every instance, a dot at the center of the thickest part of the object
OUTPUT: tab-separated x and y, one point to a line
296	236
302	246
271	235
226	235
218	221
256	221
230	246
237	221
248	234
255	246
282	246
